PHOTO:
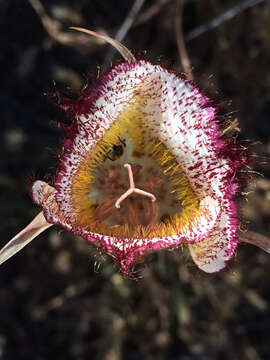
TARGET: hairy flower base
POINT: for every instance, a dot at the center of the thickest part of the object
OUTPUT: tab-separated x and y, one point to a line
164	128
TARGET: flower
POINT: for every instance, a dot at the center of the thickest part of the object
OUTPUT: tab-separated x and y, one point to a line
145	167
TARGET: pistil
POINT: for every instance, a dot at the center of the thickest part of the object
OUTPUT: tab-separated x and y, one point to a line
132	189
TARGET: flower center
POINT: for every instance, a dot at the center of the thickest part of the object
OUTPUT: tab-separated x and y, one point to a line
132	189
131	184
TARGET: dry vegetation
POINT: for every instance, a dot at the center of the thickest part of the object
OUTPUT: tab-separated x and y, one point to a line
58	298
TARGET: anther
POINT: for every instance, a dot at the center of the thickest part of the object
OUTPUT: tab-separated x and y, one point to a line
132	189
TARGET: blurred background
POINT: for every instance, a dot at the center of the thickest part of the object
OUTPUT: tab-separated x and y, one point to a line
58	298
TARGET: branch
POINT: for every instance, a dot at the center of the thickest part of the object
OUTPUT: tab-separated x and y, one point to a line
256	239
122	32
183	54
228	15
150	12
54	29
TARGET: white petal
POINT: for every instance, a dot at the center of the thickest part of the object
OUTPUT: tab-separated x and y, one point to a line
214	251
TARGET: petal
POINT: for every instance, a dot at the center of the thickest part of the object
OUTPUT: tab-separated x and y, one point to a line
175	113
32	230
202	226
44	195
213	252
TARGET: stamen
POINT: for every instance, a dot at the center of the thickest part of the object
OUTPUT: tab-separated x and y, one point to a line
132	189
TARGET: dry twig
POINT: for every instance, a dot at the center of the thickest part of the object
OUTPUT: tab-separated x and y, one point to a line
150	12
183	54
122	32
227	15
54	29
57	301
254	238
